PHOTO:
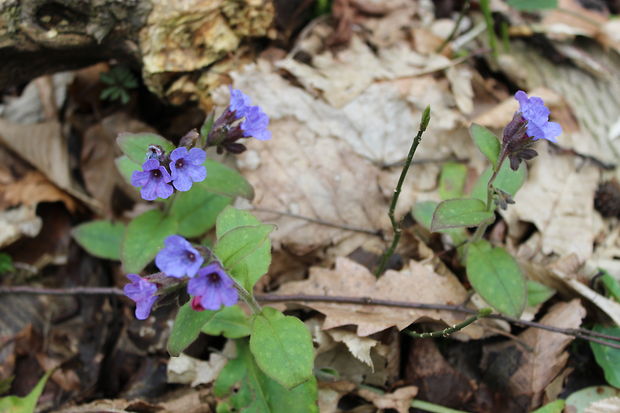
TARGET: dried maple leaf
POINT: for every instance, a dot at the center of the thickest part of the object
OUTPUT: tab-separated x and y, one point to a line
416	282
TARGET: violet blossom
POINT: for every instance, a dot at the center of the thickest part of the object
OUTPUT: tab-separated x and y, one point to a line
142	292
178	257
187	167
212	288
536	114
154	181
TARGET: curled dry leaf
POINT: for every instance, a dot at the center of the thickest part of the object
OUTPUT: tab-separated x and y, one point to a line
31	189
416	282
399	399
521	375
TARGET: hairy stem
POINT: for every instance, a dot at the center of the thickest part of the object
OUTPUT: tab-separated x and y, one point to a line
397	226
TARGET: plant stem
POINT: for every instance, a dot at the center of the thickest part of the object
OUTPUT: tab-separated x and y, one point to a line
397	226
479	233
455	29
485	312
247	297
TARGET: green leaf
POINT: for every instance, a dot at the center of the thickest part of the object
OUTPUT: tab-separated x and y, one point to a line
207	126
127	167
282	347
612	286
186	328
6	263
538	293
607	357
231	218
507	180
243	245
196	211
135	145
14	404
533	5
553	407
486	141
100	238
144	238
452	180
496	276
455	213
225	181
231	322
579	401
243	387
423	213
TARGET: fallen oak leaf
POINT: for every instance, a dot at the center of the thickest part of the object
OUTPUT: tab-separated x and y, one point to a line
415	282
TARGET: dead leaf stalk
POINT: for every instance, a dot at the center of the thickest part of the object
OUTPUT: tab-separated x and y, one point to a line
397	226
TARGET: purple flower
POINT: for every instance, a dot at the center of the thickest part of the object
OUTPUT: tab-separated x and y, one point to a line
154	180
187	167
239	103
536	114
255	124
178	258
213	288
143	293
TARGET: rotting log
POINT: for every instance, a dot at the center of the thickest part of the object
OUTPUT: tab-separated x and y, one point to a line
166	39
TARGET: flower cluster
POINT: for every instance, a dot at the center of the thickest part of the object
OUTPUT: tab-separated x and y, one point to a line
210	286
528	125
239	120
185	168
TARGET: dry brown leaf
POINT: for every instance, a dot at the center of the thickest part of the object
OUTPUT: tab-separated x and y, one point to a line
330	394
570	18
189	370
557	198
437	380
358	346
43	145
567	270
18	222
399	399
460	83
522	375
416	282
32	189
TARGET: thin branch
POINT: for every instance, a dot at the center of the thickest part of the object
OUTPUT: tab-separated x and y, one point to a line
276	298
580	333
485	312
22	289
375	232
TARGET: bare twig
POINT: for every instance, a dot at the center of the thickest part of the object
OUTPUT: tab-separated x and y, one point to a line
276	298
375	232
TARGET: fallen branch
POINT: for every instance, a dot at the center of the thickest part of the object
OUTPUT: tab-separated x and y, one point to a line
300	298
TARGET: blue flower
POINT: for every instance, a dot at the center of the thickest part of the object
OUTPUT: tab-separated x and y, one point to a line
239	103
143	293
154	180
178	258
187	167
212	288
536	114
255	124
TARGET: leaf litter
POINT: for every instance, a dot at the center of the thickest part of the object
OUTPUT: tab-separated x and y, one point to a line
341	123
